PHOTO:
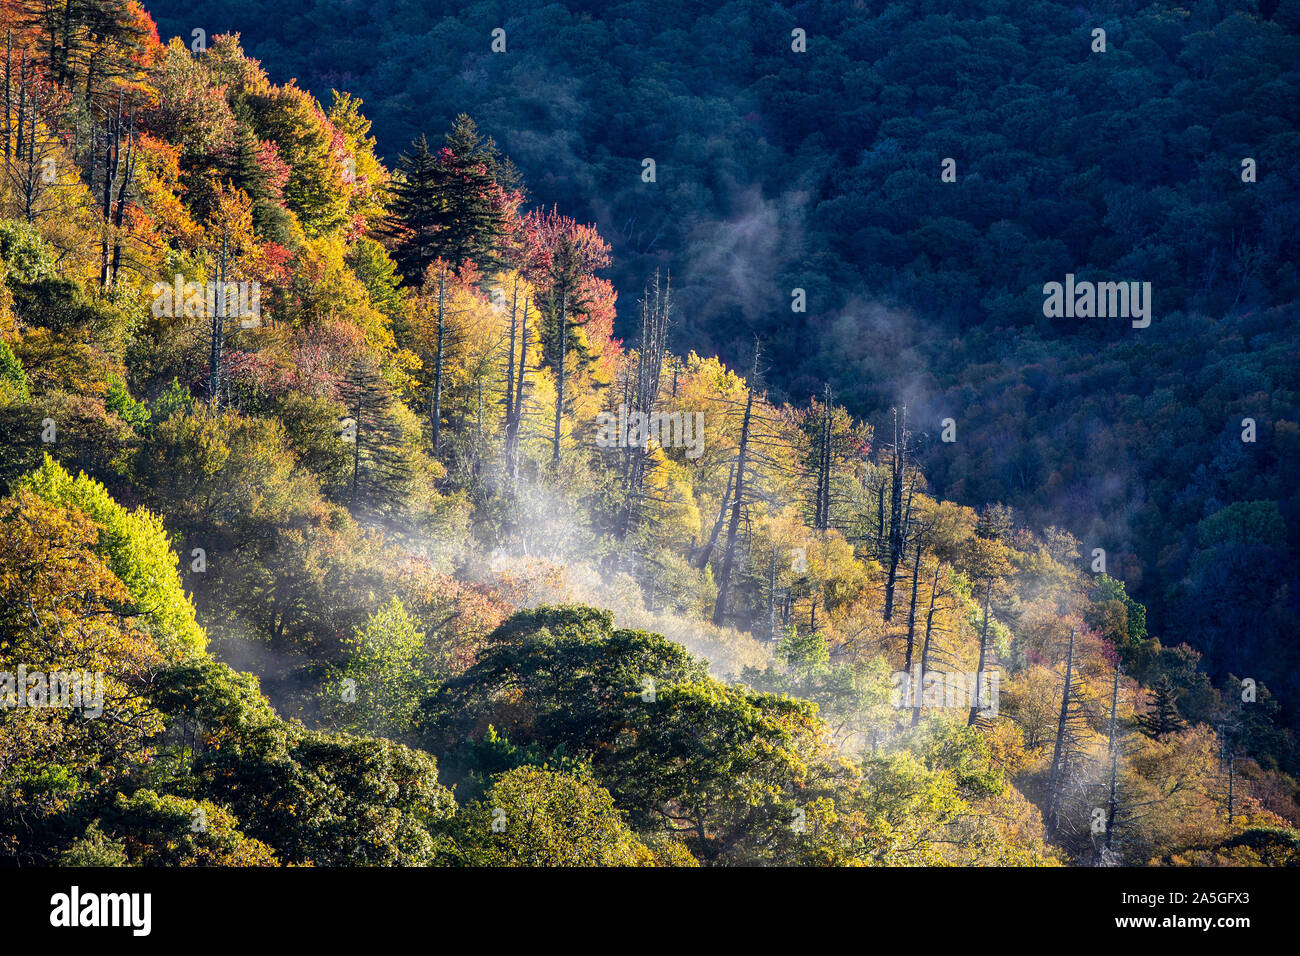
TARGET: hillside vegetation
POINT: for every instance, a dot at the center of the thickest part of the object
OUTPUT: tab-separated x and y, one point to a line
391	548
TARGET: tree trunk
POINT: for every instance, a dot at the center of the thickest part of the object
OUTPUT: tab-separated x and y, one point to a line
435	401
925	645
218	326
702	559
729	556
911	613
896	512
559	374
1112	804
984	645
517	415
1058	753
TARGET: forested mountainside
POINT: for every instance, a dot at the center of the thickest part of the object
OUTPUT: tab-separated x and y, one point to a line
820	171
351	516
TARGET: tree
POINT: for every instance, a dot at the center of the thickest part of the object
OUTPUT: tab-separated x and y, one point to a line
165	830
319	187
453	203
63	614
987	560
685	755
720	607
255	167
412	223
328	799
118	181
1162	717
1065	749
137	549
385	674
517	368
561	258
532	816
640	396
474	186
224	310
380	463
34	158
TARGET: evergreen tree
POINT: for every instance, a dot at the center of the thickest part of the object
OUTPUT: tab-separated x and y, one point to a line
255	167
412	223
450	204
1163	717
380	464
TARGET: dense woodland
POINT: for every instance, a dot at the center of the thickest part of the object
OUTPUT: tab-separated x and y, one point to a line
367	583
820	171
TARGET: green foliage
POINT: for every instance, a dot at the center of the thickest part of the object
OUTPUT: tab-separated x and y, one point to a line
13	380
175	399
1244	522
447	203
315	191
682	753
139	551
536	817
330	799
385	674
1120	618
371	264
576	672
95	848
479	759
119	402
164	830
803	651
27	255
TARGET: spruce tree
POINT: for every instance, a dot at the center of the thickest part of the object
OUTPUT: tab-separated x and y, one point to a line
1163	718
413	221
380	464
450	204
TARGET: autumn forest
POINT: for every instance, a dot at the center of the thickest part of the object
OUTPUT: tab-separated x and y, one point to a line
647	443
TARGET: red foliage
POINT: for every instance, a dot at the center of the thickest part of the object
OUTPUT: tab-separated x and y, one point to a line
557	248
321	357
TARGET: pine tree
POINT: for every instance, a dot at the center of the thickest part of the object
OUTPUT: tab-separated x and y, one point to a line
380	464
450	204
474	180
412	224
255	167
1163	717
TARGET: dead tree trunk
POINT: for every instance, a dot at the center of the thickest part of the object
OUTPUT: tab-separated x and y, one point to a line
1059	753
435	400
515	426
1112	800
911	612
561	354
925	644
737	498
984	647
896	510
706	552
